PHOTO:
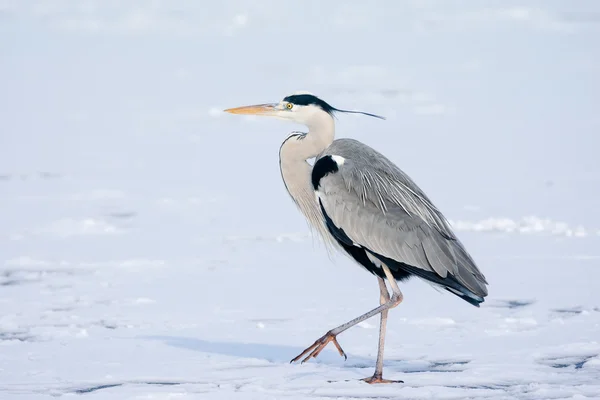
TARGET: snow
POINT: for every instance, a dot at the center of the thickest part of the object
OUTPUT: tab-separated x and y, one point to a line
528	224
148	249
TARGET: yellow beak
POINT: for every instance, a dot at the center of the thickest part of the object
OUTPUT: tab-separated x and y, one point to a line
258	109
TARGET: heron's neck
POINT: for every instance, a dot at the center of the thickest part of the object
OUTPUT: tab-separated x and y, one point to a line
298	148
296	171
321	133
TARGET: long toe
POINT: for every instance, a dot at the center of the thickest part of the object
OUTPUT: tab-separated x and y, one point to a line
339	348
307	350
379	379
315	349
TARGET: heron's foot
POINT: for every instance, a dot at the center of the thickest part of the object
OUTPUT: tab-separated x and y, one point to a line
378	379
315	349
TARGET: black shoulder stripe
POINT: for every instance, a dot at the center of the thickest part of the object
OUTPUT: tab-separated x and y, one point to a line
359	253
324	165
338	233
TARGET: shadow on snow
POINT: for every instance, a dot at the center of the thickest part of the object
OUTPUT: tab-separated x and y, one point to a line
260	351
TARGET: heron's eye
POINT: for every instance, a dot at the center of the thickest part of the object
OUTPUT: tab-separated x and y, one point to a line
289	106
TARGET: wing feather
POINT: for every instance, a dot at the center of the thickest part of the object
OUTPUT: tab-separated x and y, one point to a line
378	207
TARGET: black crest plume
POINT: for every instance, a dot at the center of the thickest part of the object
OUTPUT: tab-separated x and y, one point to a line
308	99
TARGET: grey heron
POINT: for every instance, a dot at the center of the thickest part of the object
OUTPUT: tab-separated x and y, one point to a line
362	204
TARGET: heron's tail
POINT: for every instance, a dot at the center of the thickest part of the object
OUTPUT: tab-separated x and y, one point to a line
467	296
454	284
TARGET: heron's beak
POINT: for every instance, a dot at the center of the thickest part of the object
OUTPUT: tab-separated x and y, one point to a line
258	109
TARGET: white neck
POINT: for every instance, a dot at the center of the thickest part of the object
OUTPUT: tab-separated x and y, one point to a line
296	171
321	132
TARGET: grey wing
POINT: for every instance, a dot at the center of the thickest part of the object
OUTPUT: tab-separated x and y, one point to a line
378	207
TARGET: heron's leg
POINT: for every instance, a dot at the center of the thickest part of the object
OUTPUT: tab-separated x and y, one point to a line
377	376
314	349
383	298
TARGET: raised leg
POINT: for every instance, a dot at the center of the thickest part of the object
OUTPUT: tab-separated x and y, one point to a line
316	348
377	376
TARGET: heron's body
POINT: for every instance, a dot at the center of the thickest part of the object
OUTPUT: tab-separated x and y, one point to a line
363	204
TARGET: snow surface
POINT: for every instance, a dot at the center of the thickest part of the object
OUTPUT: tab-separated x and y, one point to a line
149	249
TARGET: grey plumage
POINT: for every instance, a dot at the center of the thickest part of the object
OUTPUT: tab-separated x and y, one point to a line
381	209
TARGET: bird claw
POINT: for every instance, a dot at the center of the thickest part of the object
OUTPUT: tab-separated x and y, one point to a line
318	346
378	379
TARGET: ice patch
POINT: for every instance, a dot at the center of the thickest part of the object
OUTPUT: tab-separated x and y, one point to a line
526	225
593	363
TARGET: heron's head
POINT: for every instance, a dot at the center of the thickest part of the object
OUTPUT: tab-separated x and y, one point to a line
301	107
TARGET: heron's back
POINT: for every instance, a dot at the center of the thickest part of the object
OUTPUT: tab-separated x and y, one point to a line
379	208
